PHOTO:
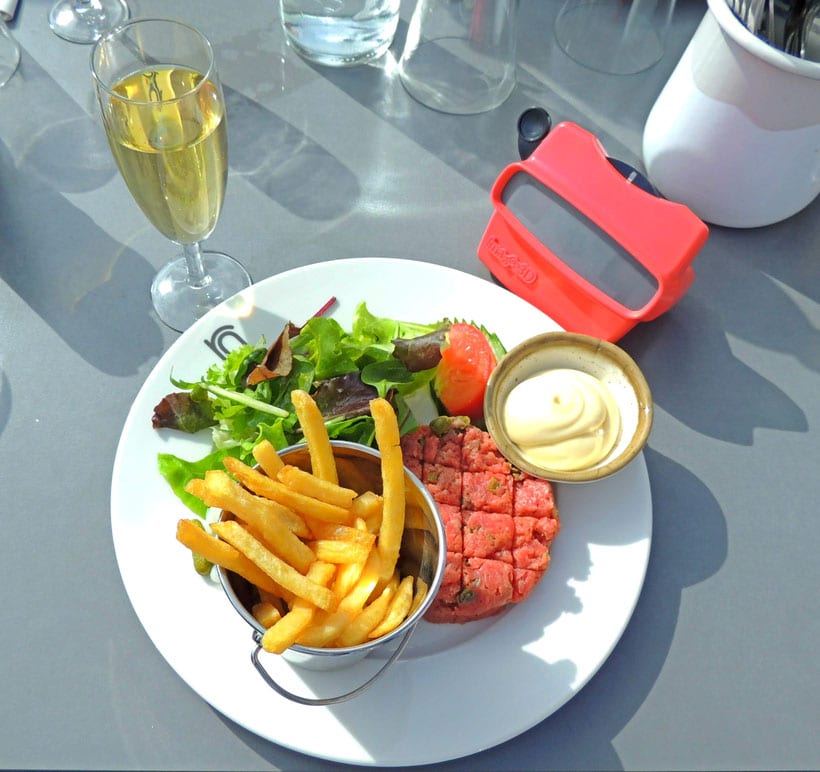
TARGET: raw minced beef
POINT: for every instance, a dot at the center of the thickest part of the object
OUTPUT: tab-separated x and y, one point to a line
499	522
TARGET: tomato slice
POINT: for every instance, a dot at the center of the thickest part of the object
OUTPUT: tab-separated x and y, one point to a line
462	374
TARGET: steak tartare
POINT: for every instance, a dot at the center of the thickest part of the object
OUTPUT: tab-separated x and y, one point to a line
499	522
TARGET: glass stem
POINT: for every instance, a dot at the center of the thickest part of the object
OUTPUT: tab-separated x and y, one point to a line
197	277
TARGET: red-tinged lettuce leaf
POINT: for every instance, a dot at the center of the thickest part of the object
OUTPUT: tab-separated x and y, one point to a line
183	411
344	396
422	352
278	360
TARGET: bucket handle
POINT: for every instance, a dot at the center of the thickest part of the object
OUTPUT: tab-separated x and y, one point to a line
270	681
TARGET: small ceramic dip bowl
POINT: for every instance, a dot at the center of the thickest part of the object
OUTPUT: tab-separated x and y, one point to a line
616	375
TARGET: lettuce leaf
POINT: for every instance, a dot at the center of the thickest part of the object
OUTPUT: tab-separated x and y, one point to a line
321	350
179	472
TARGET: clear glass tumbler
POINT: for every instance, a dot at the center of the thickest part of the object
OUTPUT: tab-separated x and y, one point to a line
460	55
617	37
340	33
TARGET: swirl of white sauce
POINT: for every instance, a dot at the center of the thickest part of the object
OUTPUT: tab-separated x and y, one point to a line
562	419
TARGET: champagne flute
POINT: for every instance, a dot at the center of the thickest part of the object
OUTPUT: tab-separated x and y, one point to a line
84	21
164	116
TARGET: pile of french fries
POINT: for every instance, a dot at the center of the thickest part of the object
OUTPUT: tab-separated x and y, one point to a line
323	556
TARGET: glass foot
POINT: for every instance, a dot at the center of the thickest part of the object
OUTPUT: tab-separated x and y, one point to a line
179	303
9	54
84	21
613	38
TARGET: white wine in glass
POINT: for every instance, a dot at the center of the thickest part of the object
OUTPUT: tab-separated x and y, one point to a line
164	116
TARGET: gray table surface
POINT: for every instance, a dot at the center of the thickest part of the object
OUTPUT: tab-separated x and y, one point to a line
718	666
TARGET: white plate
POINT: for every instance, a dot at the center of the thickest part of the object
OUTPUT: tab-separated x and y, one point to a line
457	689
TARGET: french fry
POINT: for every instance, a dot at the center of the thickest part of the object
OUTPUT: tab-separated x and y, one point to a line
279	492
267	458
392	524
222	554
398	609
201	564
354	600
347	575
322	461
285	632
325	628
282	573
392	582
280	601
221	491
346	578
310	485
218	490
340	551
322	546
196	487
360	626
368	506
358	533
418	596
414	518
266	614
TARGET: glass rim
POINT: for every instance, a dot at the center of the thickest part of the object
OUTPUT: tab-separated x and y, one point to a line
207	75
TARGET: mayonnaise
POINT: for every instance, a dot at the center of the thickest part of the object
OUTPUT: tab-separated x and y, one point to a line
562	419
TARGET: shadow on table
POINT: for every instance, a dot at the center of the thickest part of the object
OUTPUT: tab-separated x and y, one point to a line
752	296
90	289
468	144
771	281
283	163
579	736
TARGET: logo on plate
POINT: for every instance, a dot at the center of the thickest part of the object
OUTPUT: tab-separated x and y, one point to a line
223	340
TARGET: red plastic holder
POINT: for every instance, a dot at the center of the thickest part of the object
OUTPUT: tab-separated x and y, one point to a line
631	260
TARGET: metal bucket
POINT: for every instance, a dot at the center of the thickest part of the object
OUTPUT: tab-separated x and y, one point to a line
423	553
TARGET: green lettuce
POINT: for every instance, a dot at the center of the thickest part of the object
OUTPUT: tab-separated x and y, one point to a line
242	416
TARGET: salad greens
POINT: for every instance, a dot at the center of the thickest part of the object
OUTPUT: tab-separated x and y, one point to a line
246	398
